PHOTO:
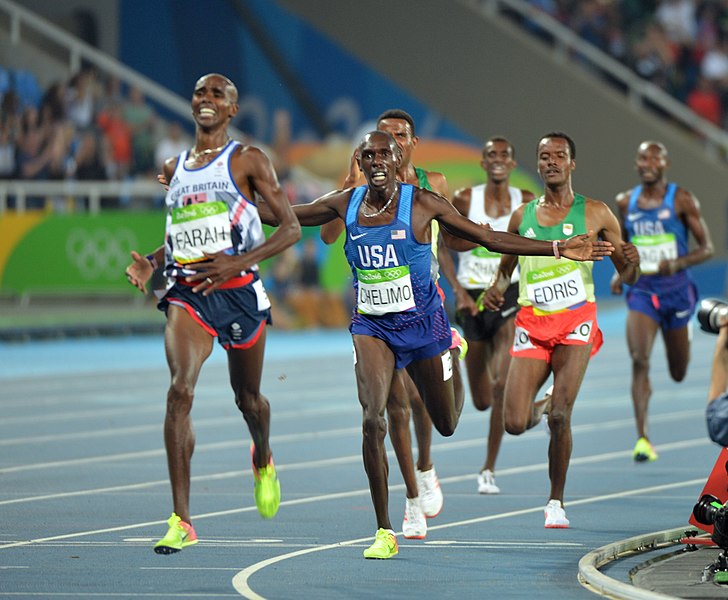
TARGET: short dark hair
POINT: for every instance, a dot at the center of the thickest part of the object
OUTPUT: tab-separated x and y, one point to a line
563	136
390	139
499	138
398	113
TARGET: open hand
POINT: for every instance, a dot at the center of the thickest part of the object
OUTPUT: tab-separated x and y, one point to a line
139	271
581	247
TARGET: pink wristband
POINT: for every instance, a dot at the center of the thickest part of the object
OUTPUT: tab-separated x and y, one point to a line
555	245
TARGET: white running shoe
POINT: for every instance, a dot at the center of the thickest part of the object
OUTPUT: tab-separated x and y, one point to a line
430	493
555	516
414	526
486	483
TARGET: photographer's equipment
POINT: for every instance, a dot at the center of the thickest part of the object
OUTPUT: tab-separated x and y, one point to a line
712	313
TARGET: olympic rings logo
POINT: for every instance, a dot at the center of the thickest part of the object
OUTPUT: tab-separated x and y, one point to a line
100	253
564	269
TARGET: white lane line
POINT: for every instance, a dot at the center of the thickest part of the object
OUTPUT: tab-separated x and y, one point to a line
318	435
365	491
200	423
355	458
240	581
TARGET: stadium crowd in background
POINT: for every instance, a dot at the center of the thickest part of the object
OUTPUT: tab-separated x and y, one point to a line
679	45
90	128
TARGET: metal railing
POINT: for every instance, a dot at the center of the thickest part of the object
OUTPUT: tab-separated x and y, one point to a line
567	45
85	195
20	18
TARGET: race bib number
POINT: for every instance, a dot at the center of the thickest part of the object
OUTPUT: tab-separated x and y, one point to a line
582	332
383	291
261	295
199	228
556	288
522	340
653	249
479	267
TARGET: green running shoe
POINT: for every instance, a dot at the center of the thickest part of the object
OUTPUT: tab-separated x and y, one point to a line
384	546
180	535
267	489
643	451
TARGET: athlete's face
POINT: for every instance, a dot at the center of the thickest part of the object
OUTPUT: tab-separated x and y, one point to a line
379	159
555	164
401	131
651	162
498	160
214	101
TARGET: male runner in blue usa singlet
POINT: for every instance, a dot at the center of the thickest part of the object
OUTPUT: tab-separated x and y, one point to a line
400	322
657	217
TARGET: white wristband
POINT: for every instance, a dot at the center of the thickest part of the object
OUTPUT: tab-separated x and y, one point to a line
555	245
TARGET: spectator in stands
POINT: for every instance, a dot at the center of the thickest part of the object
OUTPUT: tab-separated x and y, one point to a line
32	154
653	56
703	100
172	143
89	161
7	150
81	99
141	118
677	18
118	137
714	65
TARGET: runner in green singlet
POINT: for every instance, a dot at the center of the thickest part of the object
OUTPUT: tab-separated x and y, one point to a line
556	328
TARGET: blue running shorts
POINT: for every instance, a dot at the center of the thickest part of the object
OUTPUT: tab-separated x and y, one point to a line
672	309
426	338
235	314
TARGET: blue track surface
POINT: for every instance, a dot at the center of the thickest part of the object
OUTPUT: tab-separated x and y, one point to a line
84	491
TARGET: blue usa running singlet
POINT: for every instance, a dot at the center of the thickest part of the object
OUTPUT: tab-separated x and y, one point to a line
390	268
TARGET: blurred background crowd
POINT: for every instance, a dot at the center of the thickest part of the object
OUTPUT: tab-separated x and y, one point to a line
679	45
92	127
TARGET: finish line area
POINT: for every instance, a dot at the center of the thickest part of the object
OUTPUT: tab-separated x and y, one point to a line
85	492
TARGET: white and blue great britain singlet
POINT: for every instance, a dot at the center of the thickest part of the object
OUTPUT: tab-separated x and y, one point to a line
391	269
207	212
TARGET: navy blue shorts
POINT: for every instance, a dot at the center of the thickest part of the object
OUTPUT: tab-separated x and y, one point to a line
672	310
484	325
716	416
426	338
235	314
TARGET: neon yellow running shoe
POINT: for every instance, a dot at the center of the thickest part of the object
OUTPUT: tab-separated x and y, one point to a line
458	341
267	489
180	535
384	546
643	451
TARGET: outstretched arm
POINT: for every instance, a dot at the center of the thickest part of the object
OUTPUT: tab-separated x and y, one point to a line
578	247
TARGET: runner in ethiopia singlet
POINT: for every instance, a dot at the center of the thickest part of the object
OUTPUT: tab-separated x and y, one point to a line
396	298
557	295
206	212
